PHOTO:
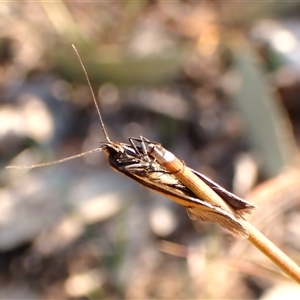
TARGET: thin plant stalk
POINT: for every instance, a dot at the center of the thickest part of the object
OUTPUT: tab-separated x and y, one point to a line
204	192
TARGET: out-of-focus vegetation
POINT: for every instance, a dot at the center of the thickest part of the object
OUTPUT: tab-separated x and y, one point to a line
216	83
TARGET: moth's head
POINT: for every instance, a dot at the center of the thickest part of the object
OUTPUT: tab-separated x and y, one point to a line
112	148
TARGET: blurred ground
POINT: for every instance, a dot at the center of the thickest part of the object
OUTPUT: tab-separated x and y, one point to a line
216	83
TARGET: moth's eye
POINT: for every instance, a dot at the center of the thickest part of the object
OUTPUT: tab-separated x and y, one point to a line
106	150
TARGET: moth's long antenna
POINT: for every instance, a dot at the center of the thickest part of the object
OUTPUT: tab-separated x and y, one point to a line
81	154
93	95
55	161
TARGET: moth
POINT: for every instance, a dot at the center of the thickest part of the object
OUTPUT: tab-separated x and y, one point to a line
143	161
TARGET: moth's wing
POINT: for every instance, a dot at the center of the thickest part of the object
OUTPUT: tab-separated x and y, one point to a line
239	204
219	216
197	209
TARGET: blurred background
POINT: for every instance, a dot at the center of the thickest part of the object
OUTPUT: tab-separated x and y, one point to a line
217	83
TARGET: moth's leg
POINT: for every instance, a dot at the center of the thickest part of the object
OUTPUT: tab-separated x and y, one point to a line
144	153
144	149
142	139
133	145
145	139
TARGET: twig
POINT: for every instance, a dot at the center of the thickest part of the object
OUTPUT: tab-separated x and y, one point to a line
204	192
284	262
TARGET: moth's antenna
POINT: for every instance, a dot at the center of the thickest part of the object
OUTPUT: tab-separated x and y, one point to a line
93	95
55	161
81	154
